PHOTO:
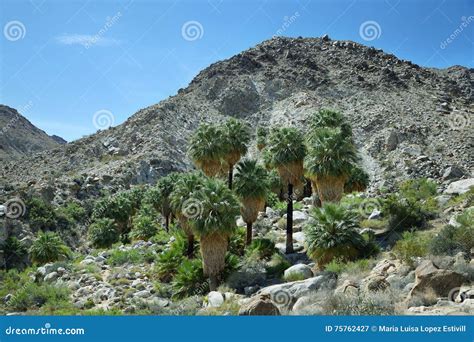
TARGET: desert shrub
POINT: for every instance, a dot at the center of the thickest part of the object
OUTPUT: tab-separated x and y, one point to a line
454	239
260	249
404	214
272	199
103	233
237	242
369	246
280	207
277	265
40	215
189	279
332	233
375	304
144	227
169	260
14	252
410	246
357	267
422	191
467	198
373	224
72	212
48	247
119	257
32	296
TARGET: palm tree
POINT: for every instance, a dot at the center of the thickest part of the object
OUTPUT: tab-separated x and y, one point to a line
213	225
236	138
286	150
251	187
159	195
358	180
329	162
327	118
206	148
185	206
48	247
332	233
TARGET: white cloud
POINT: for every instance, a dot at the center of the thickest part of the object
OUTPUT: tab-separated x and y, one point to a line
86	40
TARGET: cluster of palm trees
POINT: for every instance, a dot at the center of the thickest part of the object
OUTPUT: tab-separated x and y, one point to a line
206	207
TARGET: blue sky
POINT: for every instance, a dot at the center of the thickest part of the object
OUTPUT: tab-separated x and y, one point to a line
61	62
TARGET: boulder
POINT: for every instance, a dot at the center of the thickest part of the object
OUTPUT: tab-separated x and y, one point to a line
348	287
460	187
51	277
300	272
452	172
260	305
298	217
374	283
285	295
429	278
215	299
299	237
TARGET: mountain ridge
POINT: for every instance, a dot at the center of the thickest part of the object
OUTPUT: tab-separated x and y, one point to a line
408	120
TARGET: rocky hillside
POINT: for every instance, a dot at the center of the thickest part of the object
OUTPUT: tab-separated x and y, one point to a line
409	121
19	137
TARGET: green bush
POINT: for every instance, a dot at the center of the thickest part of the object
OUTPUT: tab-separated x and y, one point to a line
277	265
422	191
260	249
103	233
14	252
40	215
133	256
404	214
237	242
144	227
357	267
169	260
410	246
190	279
375	304
454	239
32	296
48	247
72	211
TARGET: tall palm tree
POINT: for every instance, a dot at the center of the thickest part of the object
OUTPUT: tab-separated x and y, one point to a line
327	118
185	206
251	187
159	195
236	138
213	225
332	233
207	148
286	150
329	162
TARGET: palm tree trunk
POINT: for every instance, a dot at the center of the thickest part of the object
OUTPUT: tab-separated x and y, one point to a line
167	223
289	220
190	250
213	282
249	233
231	175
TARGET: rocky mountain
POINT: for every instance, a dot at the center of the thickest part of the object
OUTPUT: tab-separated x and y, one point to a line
409	121
19	137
